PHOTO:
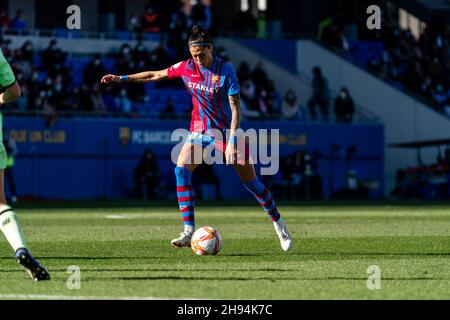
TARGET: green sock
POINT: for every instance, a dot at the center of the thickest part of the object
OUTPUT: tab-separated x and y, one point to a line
11	228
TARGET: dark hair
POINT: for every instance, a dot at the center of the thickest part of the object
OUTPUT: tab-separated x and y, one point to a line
199	36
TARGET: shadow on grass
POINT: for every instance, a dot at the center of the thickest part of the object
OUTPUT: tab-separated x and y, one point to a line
221	256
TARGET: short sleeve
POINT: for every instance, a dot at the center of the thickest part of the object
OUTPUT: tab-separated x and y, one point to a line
176	71
232	81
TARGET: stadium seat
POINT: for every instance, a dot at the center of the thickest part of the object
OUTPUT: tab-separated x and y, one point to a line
124	35
61	33
152	36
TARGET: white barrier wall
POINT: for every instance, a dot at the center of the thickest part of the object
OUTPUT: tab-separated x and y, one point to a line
405	118
79	46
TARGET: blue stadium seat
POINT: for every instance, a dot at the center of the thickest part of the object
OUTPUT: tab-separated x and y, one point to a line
110	102
61	33
141	107
109	63
42	75
152	36
124	35
37	62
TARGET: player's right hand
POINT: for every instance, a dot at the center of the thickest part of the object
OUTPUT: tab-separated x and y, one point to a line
110	78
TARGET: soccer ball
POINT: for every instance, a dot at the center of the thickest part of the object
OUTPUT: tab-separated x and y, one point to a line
206	241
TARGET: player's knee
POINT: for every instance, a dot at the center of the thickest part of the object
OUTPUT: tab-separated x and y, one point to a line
183	175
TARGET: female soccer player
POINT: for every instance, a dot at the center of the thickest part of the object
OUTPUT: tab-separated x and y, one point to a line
9	223
214	88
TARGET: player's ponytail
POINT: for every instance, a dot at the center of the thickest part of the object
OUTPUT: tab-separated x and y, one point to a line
199	37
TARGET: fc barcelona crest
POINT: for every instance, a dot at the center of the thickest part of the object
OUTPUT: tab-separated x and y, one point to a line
215	79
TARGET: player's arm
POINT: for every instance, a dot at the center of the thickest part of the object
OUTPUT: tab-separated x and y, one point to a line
140	77
11	93
235	104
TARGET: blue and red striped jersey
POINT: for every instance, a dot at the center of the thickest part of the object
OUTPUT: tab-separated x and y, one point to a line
209	88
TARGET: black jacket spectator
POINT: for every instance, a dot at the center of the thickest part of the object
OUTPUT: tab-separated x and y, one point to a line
94	71
344	107
320	95
53	58
146	176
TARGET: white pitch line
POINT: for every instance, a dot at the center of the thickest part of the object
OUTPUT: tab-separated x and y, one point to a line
65	297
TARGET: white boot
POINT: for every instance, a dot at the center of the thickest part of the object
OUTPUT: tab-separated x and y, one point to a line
184	240
283	234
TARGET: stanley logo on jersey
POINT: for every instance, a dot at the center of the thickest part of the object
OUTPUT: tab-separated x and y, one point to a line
202	87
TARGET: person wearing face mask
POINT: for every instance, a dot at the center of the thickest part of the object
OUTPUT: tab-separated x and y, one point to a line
344	107
27	51
123	102
93	71
290	108
53	58
320	95
439	95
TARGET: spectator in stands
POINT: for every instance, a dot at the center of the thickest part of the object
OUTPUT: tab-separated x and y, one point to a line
27	51
414	77
344	107
57	92
22	63
248	91
76	101
94	71
150	22
53	59
440	96
202	181
201	14
334	36
18	23
261	23
169	111
320	95
243	71
177	36
407	186
5	22
34	85
160	57
73	101
123	102
420	64
134	24
98	102
140	56
259	76
290	108
146	176
7	52
124	60
272	100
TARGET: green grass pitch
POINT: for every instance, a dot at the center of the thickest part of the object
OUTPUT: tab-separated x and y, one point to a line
126	253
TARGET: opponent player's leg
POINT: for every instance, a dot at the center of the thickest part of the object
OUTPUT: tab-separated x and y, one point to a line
186	164
11	228
246	172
